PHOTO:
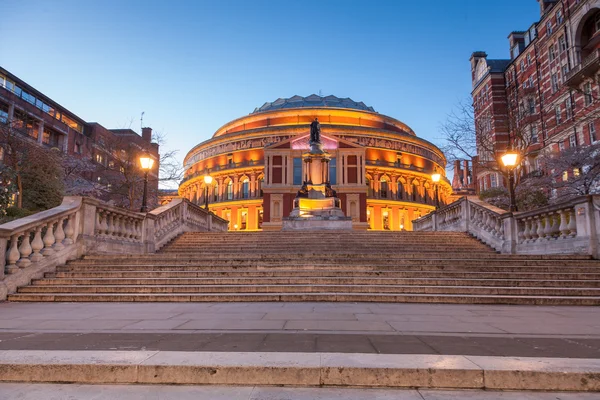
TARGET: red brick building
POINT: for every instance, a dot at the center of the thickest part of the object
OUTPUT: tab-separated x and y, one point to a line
43	122
548	89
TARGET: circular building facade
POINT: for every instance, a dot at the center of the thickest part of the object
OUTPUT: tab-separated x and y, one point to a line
381	171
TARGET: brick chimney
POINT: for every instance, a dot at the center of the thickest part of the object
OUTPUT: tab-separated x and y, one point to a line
147	134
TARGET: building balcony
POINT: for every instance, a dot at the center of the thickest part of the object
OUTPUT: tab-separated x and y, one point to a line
382	163
587	68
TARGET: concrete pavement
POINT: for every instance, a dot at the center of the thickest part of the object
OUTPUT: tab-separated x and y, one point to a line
156	392
557	347
381	318
527	331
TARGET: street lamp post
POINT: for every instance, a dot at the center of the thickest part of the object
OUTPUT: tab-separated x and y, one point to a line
207	181
509	159
146	162
436	179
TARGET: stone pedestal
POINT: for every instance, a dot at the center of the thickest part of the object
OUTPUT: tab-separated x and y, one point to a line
316	206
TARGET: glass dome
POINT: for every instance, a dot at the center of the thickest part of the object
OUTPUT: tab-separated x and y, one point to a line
313	101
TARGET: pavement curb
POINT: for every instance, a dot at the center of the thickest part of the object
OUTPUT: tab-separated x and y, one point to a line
301	369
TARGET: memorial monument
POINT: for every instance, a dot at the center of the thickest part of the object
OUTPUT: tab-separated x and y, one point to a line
316	205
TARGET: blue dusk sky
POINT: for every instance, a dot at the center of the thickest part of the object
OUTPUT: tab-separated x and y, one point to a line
192	66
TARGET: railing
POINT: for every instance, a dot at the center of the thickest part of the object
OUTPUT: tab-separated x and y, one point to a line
224	167
39	243
581	67
567	228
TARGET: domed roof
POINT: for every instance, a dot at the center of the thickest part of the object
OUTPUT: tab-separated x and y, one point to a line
313	101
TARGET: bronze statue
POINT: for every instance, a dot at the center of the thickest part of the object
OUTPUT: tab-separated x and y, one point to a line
315	131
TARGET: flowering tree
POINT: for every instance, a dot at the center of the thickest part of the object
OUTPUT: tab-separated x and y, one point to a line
7	189
572	172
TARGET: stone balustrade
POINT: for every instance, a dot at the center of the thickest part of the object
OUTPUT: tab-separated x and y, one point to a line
571	227
81	226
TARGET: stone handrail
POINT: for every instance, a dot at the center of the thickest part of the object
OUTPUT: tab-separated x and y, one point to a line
570	227
81	226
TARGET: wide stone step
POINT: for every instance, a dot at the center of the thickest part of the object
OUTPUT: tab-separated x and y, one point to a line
198	256
332	266
315	288
319	281
311	297
358	262
350	249
325	273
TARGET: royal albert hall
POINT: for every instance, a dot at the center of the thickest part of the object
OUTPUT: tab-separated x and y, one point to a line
381	171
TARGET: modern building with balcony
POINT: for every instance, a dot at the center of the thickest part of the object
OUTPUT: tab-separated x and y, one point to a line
40	120
380	170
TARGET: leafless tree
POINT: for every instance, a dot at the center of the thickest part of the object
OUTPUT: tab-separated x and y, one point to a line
475	139
170	169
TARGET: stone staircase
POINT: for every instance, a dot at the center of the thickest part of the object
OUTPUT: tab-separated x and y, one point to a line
427	267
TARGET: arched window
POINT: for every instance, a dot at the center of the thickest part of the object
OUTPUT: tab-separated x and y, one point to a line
216	192
245	188
383	188
230	190
399	190
369	188
414	192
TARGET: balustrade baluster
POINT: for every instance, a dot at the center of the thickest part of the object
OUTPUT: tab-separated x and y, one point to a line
556	225
526	230
521	226
48	240
564	224
59	235
548	221
25	250
13	254
539	232
104	222
70	230
36	245
98	226
572	223
110	223
115	221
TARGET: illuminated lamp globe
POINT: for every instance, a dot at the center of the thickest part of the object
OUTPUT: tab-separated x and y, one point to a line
146	161
509	159
436	177
208	179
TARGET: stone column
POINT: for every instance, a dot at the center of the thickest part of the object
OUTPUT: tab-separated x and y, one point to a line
253	191
236	187
221	190
11	111
65	146
40	132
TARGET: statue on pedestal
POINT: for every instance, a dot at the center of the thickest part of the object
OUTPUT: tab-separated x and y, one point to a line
315	132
